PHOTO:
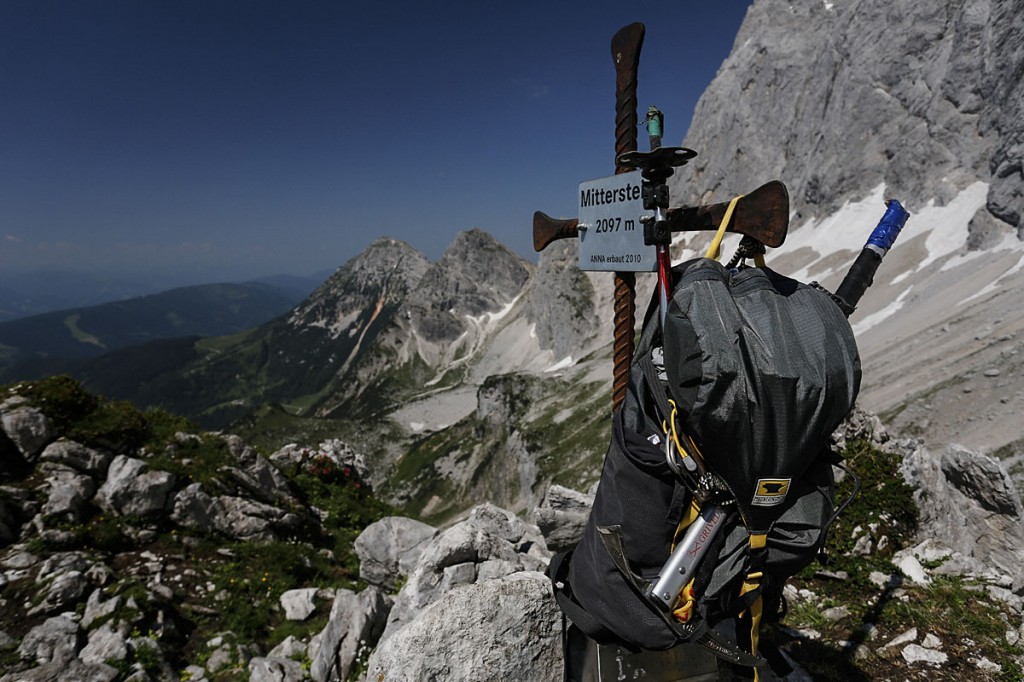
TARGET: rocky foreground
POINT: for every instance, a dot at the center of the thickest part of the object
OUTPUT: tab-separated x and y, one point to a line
166	555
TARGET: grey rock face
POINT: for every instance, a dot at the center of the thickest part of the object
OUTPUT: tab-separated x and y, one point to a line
76	670
299	604
290	647
1005	96
562	516
98	606
356	623
60	563
561	302
505	629
105	644
69	492
27	427
340	324
258	477
193	508
389	549
236	517
969	504
246	519
384	273
981	479
57	640
65	590
836	98
475	275
77	457
490	536
274	669
132	489
861	425
499	398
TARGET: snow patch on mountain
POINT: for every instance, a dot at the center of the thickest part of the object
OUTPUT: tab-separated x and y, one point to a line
564	363
1006	245
491	319
848	229
888	311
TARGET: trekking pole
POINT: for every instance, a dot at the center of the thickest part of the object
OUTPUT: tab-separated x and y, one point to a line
657	166
862	272
655	126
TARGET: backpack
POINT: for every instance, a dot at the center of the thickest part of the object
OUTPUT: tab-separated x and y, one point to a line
720	451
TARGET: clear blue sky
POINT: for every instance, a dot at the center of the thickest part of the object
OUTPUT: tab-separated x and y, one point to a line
227	139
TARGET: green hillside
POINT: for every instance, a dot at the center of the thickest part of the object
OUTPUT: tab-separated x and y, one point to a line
49	343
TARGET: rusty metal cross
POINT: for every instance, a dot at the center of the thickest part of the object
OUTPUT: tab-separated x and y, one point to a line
762	215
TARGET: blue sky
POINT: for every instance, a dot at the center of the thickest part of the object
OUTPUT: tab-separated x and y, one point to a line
225	139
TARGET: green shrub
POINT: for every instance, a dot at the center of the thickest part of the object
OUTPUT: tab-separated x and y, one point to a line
115	425
885	503
61	398
347	501
162	426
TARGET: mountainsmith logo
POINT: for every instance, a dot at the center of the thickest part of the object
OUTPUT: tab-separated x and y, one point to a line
771	491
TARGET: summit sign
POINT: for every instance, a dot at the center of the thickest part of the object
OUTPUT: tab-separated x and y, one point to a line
610	231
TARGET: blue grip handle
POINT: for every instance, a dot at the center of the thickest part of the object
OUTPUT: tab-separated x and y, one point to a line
883	236
862	272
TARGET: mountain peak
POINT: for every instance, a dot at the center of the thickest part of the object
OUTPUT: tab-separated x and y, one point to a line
472	241
384	273
477	274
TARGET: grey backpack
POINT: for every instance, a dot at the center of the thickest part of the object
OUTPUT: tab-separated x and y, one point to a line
717	485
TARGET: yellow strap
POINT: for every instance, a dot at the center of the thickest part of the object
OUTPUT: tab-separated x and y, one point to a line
683	609
755	629
715	250
752	582
759	260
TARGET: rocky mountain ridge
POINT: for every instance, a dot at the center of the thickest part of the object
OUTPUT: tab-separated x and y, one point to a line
850	103
924	100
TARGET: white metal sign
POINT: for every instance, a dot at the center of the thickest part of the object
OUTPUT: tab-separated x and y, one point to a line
611	234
